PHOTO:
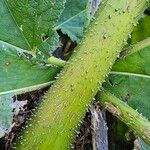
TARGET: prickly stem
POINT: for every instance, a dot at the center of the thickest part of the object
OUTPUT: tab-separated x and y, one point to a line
53	124
124	53
125	113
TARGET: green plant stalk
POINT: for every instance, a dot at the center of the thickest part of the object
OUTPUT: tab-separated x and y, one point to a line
126	114
124	53
135	48
55	61
113	101
53	124
132	49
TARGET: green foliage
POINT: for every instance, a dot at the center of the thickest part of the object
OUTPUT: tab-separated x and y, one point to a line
141	30
125	113
76	17
133	89
72	20
26	27
17	72
9	29
130	81
30	22
18	75
65	104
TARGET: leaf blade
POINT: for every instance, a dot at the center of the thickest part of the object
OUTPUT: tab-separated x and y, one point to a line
16	72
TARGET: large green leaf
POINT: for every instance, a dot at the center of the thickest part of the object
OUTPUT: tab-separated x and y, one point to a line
24	26
18	75
16	72
130	78
76	16
9	32
29	24
72	20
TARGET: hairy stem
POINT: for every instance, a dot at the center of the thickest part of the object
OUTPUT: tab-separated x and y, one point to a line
53	124
126	114
124	53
